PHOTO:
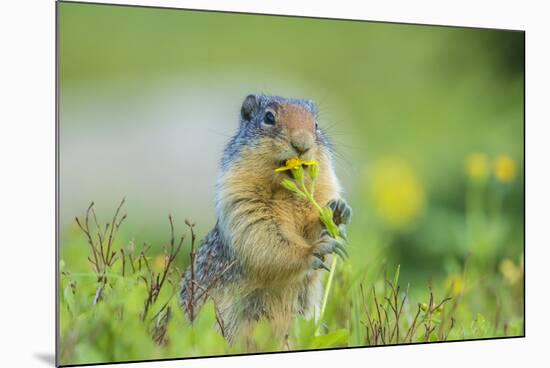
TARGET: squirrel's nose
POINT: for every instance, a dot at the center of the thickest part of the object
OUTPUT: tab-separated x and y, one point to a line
300	149
301	142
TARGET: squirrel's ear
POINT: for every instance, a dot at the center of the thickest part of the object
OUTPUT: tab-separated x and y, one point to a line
313	108
250	105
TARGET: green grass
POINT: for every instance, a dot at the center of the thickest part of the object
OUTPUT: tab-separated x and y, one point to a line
121	303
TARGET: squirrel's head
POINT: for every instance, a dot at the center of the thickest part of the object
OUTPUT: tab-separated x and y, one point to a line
274	129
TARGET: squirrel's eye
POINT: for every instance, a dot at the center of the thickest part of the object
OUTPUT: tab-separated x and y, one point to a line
269	118
316	125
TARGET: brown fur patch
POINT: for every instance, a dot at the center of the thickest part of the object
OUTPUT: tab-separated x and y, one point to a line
295	117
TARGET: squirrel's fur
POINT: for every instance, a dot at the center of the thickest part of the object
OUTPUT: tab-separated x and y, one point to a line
258	262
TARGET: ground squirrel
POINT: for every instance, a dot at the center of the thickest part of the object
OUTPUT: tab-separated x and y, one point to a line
264	257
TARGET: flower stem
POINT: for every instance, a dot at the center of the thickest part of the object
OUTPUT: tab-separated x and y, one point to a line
327	292
325	216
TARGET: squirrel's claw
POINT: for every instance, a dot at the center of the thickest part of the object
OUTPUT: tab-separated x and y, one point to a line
341	251
318	263
341	211
343	232
327	245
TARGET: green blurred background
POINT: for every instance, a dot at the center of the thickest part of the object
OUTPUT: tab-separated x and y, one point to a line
427	122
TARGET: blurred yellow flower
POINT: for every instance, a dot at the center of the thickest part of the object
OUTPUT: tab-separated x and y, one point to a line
396	192
505	168
477	166
511	272
455	284
159	262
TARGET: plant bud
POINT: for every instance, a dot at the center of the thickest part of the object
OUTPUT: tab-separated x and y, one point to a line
290	185
313	171
298	174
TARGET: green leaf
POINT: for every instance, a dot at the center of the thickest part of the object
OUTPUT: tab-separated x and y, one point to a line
332	339
304	330
327	213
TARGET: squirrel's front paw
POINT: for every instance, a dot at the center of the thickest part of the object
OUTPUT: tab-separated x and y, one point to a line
341	211
327	245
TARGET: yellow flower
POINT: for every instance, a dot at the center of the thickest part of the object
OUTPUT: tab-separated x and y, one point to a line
510	271
455	284
295	163
396	192
159	262
505	168
477	166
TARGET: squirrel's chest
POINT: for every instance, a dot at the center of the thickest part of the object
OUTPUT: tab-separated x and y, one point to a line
298	213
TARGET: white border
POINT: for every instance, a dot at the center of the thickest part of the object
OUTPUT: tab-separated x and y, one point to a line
27	181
